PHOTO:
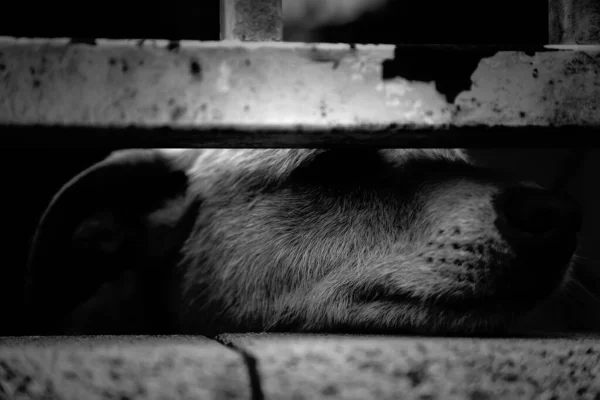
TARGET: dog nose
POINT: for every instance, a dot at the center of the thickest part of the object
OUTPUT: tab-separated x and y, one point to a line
526	212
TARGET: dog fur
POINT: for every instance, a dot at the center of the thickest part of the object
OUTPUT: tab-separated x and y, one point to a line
229	240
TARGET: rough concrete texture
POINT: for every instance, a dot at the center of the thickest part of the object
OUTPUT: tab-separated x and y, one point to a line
120	368
252	20
350	367
574	21
290	85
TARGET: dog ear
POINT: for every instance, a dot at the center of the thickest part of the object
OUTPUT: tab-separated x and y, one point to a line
105	249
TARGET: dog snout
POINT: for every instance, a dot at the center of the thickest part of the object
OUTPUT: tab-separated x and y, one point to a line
532	215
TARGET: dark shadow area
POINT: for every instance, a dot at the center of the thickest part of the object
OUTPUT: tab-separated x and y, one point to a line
113	20
448	22
30	178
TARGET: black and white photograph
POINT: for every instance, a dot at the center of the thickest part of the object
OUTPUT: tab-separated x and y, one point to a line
300	199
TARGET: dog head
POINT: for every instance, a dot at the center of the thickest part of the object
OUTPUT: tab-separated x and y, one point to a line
226	240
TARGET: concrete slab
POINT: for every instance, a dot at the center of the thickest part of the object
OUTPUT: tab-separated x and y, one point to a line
295	85
120	368
378	367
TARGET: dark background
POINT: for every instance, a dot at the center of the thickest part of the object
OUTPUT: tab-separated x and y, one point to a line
31	177
399	21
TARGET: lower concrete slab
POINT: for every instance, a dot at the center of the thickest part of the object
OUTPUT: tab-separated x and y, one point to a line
378	367
175	367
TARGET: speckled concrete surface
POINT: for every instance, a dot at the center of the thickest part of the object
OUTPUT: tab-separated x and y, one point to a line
271	366
120	368
290	85
351	367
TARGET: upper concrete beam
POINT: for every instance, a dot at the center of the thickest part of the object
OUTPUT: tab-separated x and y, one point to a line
287	85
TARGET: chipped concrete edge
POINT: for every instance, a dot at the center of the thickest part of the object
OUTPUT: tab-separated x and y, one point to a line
158	83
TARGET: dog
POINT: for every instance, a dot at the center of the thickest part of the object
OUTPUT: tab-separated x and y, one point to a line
207	241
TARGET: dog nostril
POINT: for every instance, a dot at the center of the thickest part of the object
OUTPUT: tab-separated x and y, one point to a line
532	218
537	211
